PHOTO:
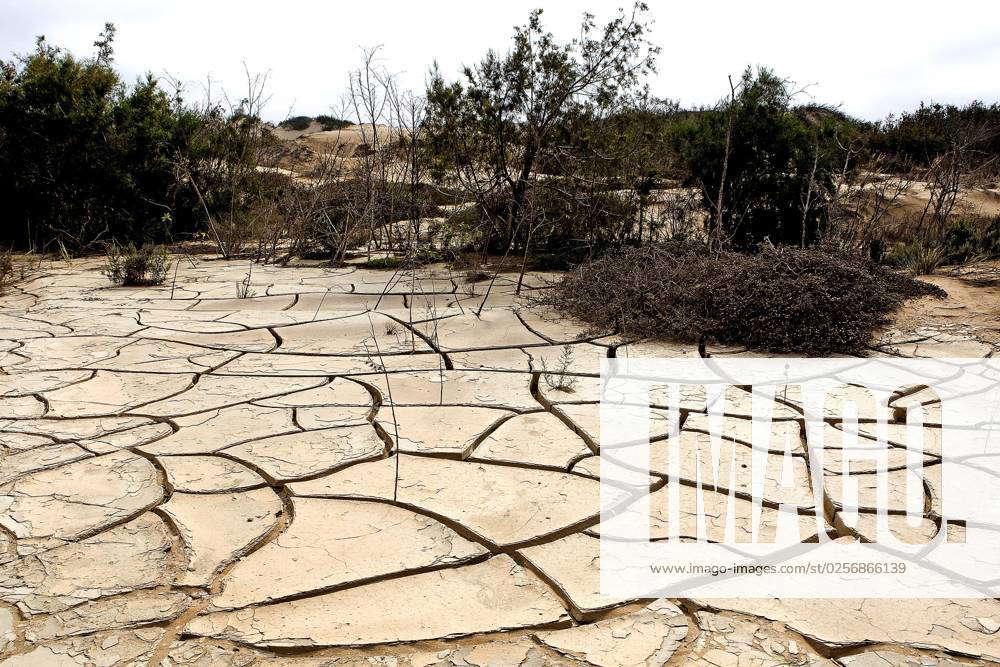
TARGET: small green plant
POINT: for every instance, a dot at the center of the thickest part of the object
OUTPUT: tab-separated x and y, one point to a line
919	258
959	242
972	239
129	267
557	379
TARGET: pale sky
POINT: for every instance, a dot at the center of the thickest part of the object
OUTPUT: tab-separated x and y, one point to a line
870	57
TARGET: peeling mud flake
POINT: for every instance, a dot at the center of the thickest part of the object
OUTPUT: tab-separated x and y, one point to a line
74	429
8	623
23	384
118	612
219	528
110	393
338	542
354	335
255	340
586	419
573	563
493	596
21	407
339	392
130	647
504	504
315	418
289	457
133	437
208	474
949	625
213	392
46	508
302	365
716	507
725	640
70	352
785	479
126	558
538	439
39	458
443	430
494	328
164	357
477	388
647	637
212	430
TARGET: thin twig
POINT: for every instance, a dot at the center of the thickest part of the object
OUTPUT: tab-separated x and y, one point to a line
392	406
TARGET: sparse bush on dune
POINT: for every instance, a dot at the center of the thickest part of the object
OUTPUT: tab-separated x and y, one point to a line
297	123
326	122
329	123
131	267
811	302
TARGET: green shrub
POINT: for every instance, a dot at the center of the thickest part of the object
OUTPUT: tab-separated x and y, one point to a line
329	123
565	227
84	157
126	266
325	121
775	156
918	258
297	123
967	239
963	240
782	300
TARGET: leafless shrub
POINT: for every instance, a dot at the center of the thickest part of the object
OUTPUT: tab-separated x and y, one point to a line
557	378
233	174
784	300
243	288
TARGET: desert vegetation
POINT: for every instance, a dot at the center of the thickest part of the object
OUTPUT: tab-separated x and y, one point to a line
550	154
129	266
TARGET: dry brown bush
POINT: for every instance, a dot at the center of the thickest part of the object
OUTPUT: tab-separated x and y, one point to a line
809	301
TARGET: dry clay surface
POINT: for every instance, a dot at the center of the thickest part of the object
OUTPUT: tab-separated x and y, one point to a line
357	468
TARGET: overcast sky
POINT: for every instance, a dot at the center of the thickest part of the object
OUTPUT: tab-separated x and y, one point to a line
870	57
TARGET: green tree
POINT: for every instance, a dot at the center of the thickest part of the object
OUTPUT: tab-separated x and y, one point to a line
494	127
84	158
763	169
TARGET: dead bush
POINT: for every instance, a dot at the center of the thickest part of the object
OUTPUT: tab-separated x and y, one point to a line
812	302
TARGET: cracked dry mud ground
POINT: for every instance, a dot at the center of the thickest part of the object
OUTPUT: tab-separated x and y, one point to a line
188	478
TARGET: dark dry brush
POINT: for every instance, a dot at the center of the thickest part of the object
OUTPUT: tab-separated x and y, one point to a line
811	302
